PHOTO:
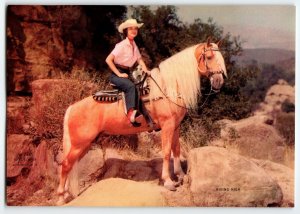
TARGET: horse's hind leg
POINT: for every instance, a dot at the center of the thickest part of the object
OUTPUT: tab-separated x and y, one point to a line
176	155
67	164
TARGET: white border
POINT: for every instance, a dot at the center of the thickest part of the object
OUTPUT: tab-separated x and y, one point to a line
32	210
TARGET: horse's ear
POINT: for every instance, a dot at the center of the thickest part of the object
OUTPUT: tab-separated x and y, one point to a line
208	41
219	43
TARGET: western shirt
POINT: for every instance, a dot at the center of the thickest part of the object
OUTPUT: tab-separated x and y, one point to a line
126	54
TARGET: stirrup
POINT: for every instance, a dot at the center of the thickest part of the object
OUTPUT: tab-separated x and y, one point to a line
136	124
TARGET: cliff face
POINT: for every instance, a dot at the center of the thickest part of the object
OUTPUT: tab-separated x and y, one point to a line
35	47
41	41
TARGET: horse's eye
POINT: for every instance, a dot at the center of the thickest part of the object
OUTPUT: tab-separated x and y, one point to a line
209	57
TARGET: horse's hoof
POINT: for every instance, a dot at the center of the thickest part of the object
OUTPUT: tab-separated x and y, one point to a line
67	196
170	187
180	179
60	201
177	183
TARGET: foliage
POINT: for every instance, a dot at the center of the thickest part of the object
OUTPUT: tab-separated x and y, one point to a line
90	29
288	106
161	27
285	124
77	85
165	34
198	132
266	76
231	102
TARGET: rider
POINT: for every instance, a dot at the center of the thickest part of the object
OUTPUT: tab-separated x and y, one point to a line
121	59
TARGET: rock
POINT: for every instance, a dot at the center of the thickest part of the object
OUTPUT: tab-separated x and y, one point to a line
43	167
253	138
36	48
19	151
26	128
221	178
275	97
116	192
284	176
17	114
112	154
132	170
90	167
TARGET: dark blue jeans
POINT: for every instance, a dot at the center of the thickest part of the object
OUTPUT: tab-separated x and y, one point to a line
126	85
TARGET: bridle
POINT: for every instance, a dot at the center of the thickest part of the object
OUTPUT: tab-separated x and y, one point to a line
204	58
210	74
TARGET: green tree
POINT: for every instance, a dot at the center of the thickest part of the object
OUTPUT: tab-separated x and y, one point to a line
162	34
165	34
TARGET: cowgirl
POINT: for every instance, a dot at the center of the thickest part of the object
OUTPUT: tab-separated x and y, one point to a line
121	59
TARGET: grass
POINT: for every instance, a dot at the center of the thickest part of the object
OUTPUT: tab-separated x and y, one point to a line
198	132
74	86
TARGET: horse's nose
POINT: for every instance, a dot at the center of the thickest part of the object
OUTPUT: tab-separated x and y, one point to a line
216	81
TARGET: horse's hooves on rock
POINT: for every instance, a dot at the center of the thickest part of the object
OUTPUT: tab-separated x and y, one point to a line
180	179
60	202
178	183
170	187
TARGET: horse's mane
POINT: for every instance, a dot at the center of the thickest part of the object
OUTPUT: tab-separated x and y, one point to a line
178	76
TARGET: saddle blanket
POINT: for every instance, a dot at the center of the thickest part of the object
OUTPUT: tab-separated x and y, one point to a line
114	95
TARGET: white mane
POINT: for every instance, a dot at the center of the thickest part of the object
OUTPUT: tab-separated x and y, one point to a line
178	76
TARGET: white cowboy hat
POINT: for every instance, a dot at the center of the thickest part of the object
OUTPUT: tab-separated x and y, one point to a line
129	23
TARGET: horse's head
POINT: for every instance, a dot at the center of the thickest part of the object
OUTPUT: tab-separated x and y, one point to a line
211	63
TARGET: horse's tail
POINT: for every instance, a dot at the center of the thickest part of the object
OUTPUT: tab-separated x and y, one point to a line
72	183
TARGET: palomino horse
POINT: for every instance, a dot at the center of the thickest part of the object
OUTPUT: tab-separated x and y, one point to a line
178	78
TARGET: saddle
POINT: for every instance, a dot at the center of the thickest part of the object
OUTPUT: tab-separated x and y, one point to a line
114	94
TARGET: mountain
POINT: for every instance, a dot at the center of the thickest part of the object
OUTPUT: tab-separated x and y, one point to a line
265	56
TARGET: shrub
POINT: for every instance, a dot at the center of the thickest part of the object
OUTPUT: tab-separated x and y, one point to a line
199	132
288	106
75	86
285	124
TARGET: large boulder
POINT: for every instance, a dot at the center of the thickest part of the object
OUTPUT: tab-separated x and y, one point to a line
284	176
44	166
117	192
138	170
219	178
89	168
252	137
30	168
19	155
275	97
36	48
17	114
95	161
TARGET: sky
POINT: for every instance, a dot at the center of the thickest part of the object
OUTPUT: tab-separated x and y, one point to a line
260	26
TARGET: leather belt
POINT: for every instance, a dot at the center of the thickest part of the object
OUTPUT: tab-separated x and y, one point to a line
122	67
126	68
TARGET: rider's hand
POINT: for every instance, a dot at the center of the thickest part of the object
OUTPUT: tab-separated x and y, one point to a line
148	72
123	75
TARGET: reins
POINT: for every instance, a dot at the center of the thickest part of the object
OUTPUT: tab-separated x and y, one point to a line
210	93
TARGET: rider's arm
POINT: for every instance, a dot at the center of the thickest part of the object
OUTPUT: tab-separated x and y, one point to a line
110	62
144	67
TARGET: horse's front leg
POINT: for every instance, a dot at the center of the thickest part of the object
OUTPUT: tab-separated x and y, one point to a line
167	132
176	155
